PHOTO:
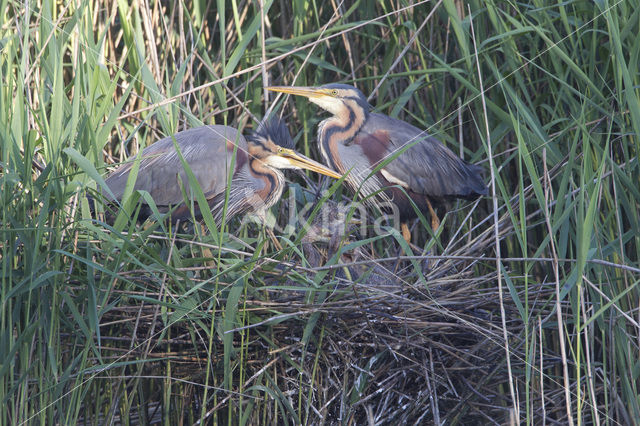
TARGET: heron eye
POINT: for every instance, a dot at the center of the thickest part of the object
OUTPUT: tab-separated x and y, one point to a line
334	92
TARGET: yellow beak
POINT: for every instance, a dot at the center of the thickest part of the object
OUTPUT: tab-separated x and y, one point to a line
299	160
309	92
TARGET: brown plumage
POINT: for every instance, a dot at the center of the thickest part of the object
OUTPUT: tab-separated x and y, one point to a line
356	141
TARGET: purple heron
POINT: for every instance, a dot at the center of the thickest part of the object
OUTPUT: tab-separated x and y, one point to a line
354	141
256	182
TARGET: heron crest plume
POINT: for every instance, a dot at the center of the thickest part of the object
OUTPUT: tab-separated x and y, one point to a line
272	129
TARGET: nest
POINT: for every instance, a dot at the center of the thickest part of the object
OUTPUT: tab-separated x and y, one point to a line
378	341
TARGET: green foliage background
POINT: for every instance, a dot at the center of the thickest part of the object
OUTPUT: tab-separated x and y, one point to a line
549	91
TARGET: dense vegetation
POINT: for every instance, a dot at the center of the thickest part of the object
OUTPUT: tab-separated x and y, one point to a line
525	308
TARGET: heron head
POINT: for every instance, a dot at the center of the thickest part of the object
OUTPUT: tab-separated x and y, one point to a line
273	145
334	97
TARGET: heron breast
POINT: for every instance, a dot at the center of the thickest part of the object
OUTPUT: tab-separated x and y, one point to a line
374	145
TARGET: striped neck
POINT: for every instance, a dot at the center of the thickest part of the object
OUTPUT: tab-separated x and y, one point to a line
340	128
273	180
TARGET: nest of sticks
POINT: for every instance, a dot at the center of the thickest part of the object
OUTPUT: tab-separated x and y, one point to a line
378	341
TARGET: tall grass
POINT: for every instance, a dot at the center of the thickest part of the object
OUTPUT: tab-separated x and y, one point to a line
126	324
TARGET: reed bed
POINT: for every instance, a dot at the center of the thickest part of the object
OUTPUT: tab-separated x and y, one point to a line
524	309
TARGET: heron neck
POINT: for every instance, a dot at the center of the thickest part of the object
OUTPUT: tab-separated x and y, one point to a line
341	128
272	179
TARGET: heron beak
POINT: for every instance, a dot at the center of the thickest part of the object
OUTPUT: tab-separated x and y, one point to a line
299	160
308	92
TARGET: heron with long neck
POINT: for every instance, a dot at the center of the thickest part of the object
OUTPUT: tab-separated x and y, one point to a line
385	159
223	162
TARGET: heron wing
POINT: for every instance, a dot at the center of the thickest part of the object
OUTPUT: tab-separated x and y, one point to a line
426	166
208	151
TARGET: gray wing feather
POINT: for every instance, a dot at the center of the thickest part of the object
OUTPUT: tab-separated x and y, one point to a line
203	148
427	166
